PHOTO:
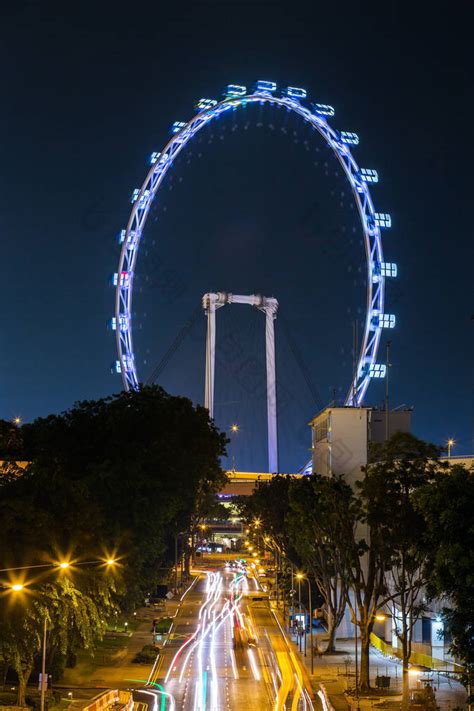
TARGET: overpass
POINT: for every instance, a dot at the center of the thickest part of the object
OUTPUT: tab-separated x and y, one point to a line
244	483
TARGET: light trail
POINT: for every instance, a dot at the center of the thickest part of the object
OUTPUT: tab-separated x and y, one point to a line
165	695
254	666
214	612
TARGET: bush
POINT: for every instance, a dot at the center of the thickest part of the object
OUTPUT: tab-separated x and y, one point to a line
163	626
146	655
52	698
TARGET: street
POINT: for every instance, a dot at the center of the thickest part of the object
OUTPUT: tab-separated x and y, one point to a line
227	650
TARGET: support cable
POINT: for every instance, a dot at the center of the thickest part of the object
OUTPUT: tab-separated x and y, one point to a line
183	332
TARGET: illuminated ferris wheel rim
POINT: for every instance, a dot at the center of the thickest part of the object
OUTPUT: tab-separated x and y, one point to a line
371	221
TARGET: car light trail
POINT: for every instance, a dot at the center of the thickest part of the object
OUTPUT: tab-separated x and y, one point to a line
164	695
214	612
178	653
254	666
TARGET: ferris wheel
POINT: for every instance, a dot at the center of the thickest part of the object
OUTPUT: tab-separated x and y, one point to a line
295	100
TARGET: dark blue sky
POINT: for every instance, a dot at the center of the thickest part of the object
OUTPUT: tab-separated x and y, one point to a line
89	93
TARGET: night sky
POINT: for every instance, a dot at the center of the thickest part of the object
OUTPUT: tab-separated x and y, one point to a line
90	90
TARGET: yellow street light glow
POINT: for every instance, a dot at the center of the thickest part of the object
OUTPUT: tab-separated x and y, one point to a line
451	442
110	561
234	428
17	587
299	576
380	617
17	420
64	565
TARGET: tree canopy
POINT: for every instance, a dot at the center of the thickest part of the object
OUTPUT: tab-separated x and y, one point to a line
116	477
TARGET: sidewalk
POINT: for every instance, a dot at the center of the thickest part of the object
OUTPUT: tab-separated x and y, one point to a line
337	674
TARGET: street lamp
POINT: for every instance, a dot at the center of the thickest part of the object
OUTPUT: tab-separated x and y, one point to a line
18	587
233	431
451	444
300	577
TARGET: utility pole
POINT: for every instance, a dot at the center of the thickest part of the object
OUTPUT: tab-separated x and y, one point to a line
176	562
43	664
387	414
355	341
356	660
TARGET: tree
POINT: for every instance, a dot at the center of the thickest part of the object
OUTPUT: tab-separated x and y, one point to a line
73	617
446	505
270	504
125	471
398	469
371	537
313	531
117	477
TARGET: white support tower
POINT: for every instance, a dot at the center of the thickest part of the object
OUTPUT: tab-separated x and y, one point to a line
211	302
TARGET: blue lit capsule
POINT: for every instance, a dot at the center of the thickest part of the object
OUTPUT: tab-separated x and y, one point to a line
263	85
368	175
377	370
349	137
295	92
383	220
177	126
388	269
324	109
206	103
235	90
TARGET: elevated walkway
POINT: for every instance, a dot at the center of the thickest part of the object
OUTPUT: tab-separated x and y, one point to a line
244	483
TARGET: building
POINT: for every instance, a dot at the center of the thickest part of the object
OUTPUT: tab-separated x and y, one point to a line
341	437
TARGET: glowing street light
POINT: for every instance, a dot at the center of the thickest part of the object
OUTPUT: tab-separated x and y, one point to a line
17	420
233	431
300	577
451	442
17	587
64	565
110	561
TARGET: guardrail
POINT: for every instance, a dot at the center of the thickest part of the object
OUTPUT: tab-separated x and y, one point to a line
110	698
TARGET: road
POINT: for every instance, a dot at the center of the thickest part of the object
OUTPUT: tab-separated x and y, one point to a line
226	652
